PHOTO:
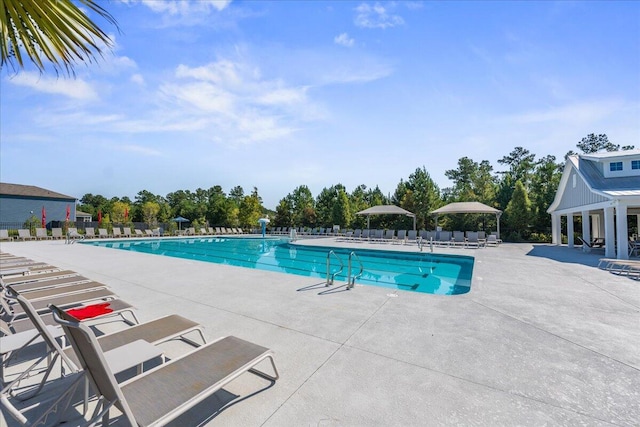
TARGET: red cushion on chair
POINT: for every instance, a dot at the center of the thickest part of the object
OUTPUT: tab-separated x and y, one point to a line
89	311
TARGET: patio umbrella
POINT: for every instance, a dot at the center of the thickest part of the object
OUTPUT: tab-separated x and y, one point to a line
180	220
68	213
44	217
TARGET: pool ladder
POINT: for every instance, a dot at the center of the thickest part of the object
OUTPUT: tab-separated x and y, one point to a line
351	280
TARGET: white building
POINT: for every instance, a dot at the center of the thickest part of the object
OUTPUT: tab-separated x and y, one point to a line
604	189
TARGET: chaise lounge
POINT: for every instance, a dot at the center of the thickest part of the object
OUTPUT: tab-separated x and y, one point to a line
163	393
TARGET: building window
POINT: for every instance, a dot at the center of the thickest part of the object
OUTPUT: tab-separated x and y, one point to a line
615	166
635	164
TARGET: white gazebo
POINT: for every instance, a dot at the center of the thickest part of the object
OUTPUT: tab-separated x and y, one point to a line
604	189
469	208
387	210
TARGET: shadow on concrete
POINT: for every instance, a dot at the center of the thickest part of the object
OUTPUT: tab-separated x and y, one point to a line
312	287
567	255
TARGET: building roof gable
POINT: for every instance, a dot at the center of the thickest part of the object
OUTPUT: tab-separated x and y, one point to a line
30	191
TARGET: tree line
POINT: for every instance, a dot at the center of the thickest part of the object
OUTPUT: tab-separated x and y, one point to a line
523	189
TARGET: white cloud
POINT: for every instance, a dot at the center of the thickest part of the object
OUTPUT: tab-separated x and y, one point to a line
235	101
185	7
376	16
75	88
137	79
146	151
583	112
344	40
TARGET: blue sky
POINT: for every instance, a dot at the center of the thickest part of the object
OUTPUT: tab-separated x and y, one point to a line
283	93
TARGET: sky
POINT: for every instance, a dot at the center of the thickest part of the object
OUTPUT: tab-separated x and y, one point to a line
277	94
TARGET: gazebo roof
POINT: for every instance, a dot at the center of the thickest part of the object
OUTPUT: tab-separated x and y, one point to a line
385	210
466	207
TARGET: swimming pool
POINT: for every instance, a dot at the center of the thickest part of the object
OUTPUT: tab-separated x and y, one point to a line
417	272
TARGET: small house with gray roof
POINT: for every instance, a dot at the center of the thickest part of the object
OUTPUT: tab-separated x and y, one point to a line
604	190
19	202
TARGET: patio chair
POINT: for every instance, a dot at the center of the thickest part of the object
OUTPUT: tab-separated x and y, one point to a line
474	240
412	237
139	232
65	301
492	240
444	238
72	232
114	308
116	232
162	394
458	239
126	231
25	234
4	235
389	236
103	233
41	234
124	349
89	233
38	277
402	235
56	233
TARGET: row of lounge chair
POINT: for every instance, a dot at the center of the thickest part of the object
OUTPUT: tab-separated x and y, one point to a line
40	303
210	231
623	267
443	238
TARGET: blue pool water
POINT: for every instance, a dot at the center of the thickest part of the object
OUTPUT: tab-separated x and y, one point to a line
418	272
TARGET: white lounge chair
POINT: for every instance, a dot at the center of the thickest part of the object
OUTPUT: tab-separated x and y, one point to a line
89	233
24	234
162	394
41	234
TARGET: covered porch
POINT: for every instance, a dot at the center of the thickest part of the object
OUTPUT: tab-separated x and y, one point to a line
606	224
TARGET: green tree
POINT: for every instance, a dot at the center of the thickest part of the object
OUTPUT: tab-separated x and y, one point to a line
51	31
303	207
593	143
341	210
521	164
250	210
518	213
150	212
544	184
284	213
117	212
424	197
358	202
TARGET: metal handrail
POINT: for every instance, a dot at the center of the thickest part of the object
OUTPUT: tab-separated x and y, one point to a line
331	277
351	281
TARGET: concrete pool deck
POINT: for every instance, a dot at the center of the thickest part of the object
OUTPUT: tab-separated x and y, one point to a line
542	338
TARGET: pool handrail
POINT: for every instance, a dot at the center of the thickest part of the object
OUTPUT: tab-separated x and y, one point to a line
330	276
351	281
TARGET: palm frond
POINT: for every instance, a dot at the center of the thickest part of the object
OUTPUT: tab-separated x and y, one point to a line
50	31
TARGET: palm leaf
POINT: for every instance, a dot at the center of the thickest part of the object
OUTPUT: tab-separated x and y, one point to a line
50	31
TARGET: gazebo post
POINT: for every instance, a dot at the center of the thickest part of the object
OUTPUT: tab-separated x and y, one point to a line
498	215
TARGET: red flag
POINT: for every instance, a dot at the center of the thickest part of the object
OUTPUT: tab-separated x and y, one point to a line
68	212
99	217
44	217
126	214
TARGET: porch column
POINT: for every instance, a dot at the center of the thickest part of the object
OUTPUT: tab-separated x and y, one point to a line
609	227
556	231
586	227
570	230
622	232
596	229
602	227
